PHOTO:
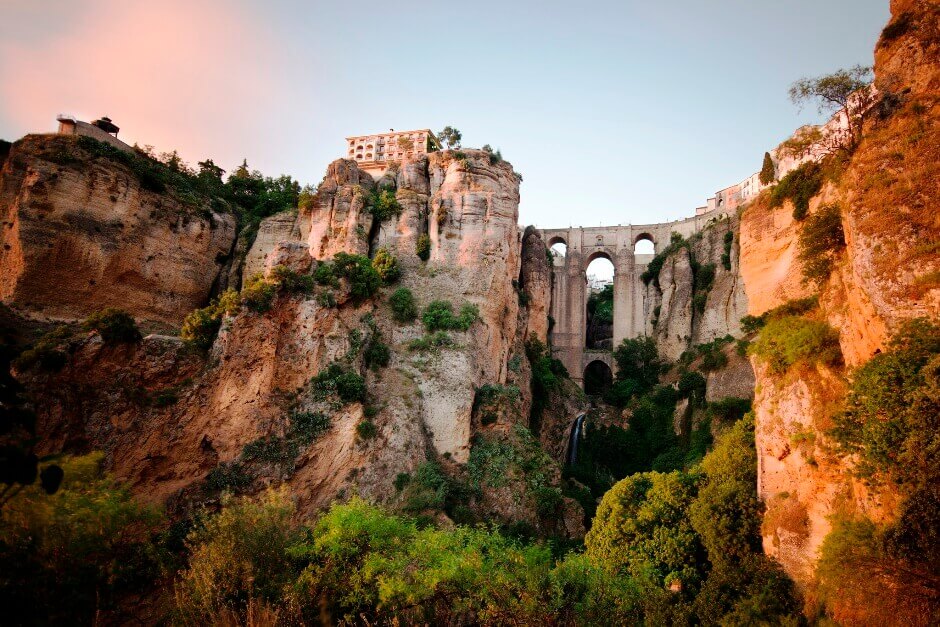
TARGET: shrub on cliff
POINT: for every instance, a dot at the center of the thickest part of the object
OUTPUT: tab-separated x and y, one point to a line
820	243
786	341
46	351
439	316
423	247
892	416
402	302
387	266
799	186
364	280
115	326
383	204
201	326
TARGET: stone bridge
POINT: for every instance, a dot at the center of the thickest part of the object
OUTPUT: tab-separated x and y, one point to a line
570	290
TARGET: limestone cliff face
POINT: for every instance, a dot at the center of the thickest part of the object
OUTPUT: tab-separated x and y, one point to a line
258	371
674	320
80	234
887	196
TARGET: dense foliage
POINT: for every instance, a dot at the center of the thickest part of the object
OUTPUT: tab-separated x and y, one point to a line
423	247
821	241
364	279
789	340
67	556
404	308
798	187
600	305
698	532
113	325
439	316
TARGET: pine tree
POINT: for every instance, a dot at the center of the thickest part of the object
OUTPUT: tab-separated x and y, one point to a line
767	172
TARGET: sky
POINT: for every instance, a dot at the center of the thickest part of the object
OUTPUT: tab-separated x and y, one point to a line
614	112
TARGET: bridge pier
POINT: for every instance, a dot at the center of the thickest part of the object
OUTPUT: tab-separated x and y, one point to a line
569	291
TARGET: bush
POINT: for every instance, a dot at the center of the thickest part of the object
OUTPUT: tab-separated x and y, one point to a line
351	387
377	353
237	556
439	315
228	476
201	326
364	280
820	243
383	204
386	265
892	415
346	384
899	26
799	186
423	247
291	282
70	557
324	275
786	341
258	295
403	305
46	351
114	326
307	426
433	341
692	386
366	430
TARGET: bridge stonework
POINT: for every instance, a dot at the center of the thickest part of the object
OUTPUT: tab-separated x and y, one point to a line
570	289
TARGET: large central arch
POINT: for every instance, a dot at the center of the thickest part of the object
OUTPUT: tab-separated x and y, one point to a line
569	291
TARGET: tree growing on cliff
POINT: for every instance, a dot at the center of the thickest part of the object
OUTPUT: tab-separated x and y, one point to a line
450	137
767	172
840	91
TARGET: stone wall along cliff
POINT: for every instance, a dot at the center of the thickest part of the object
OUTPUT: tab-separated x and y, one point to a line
80	234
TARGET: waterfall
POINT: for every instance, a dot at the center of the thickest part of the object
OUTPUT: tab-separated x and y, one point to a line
575	439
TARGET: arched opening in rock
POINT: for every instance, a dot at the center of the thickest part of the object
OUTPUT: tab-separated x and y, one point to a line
644	245
558	247
597	378
599	317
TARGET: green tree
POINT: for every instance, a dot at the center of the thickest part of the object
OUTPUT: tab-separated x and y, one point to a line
768	173
403	305
839	91
115	326
642	529
821	241
386	265
450	137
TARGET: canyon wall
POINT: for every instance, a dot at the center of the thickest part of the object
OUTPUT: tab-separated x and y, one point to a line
886	195
81	233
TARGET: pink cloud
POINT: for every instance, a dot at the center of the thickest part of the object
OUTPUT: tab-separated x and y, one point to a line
173	73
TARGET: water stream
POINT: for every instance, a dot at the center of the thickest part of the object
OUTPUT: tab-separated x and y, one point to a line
574	440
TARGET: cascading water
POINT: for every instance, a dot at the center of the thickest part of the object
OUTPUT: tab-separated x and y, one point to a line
574	440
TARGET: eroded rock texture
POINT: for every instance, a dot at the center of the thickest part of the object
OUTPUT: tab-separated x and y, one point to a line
80	233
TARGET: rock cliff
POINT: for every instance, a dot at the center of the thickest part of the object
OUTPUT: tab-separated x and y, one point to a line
886	194
178	426
82	232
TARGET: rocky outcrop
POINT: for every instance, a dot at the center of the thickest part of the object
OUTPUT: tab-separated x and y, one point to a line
535	281
81	233
675	319
338	219
272	230
259	370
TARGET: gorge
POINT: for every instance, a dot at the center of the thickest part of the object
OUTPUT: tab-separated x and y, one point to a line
367	405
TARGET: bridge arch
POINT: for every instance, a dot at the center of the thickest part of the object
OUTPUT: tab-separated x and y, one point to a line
558	246
644	244
598	377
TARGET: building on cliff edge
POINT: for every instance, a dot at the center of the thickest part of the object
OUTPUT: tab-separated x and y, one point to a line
102	129
375	153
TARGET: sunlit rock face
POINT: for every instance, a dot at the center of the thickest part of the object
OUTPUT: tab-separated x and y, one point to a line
80	234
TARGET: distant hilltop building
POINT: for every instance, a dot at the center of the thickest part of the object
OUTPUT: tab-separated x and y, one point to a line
102	129
374	153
